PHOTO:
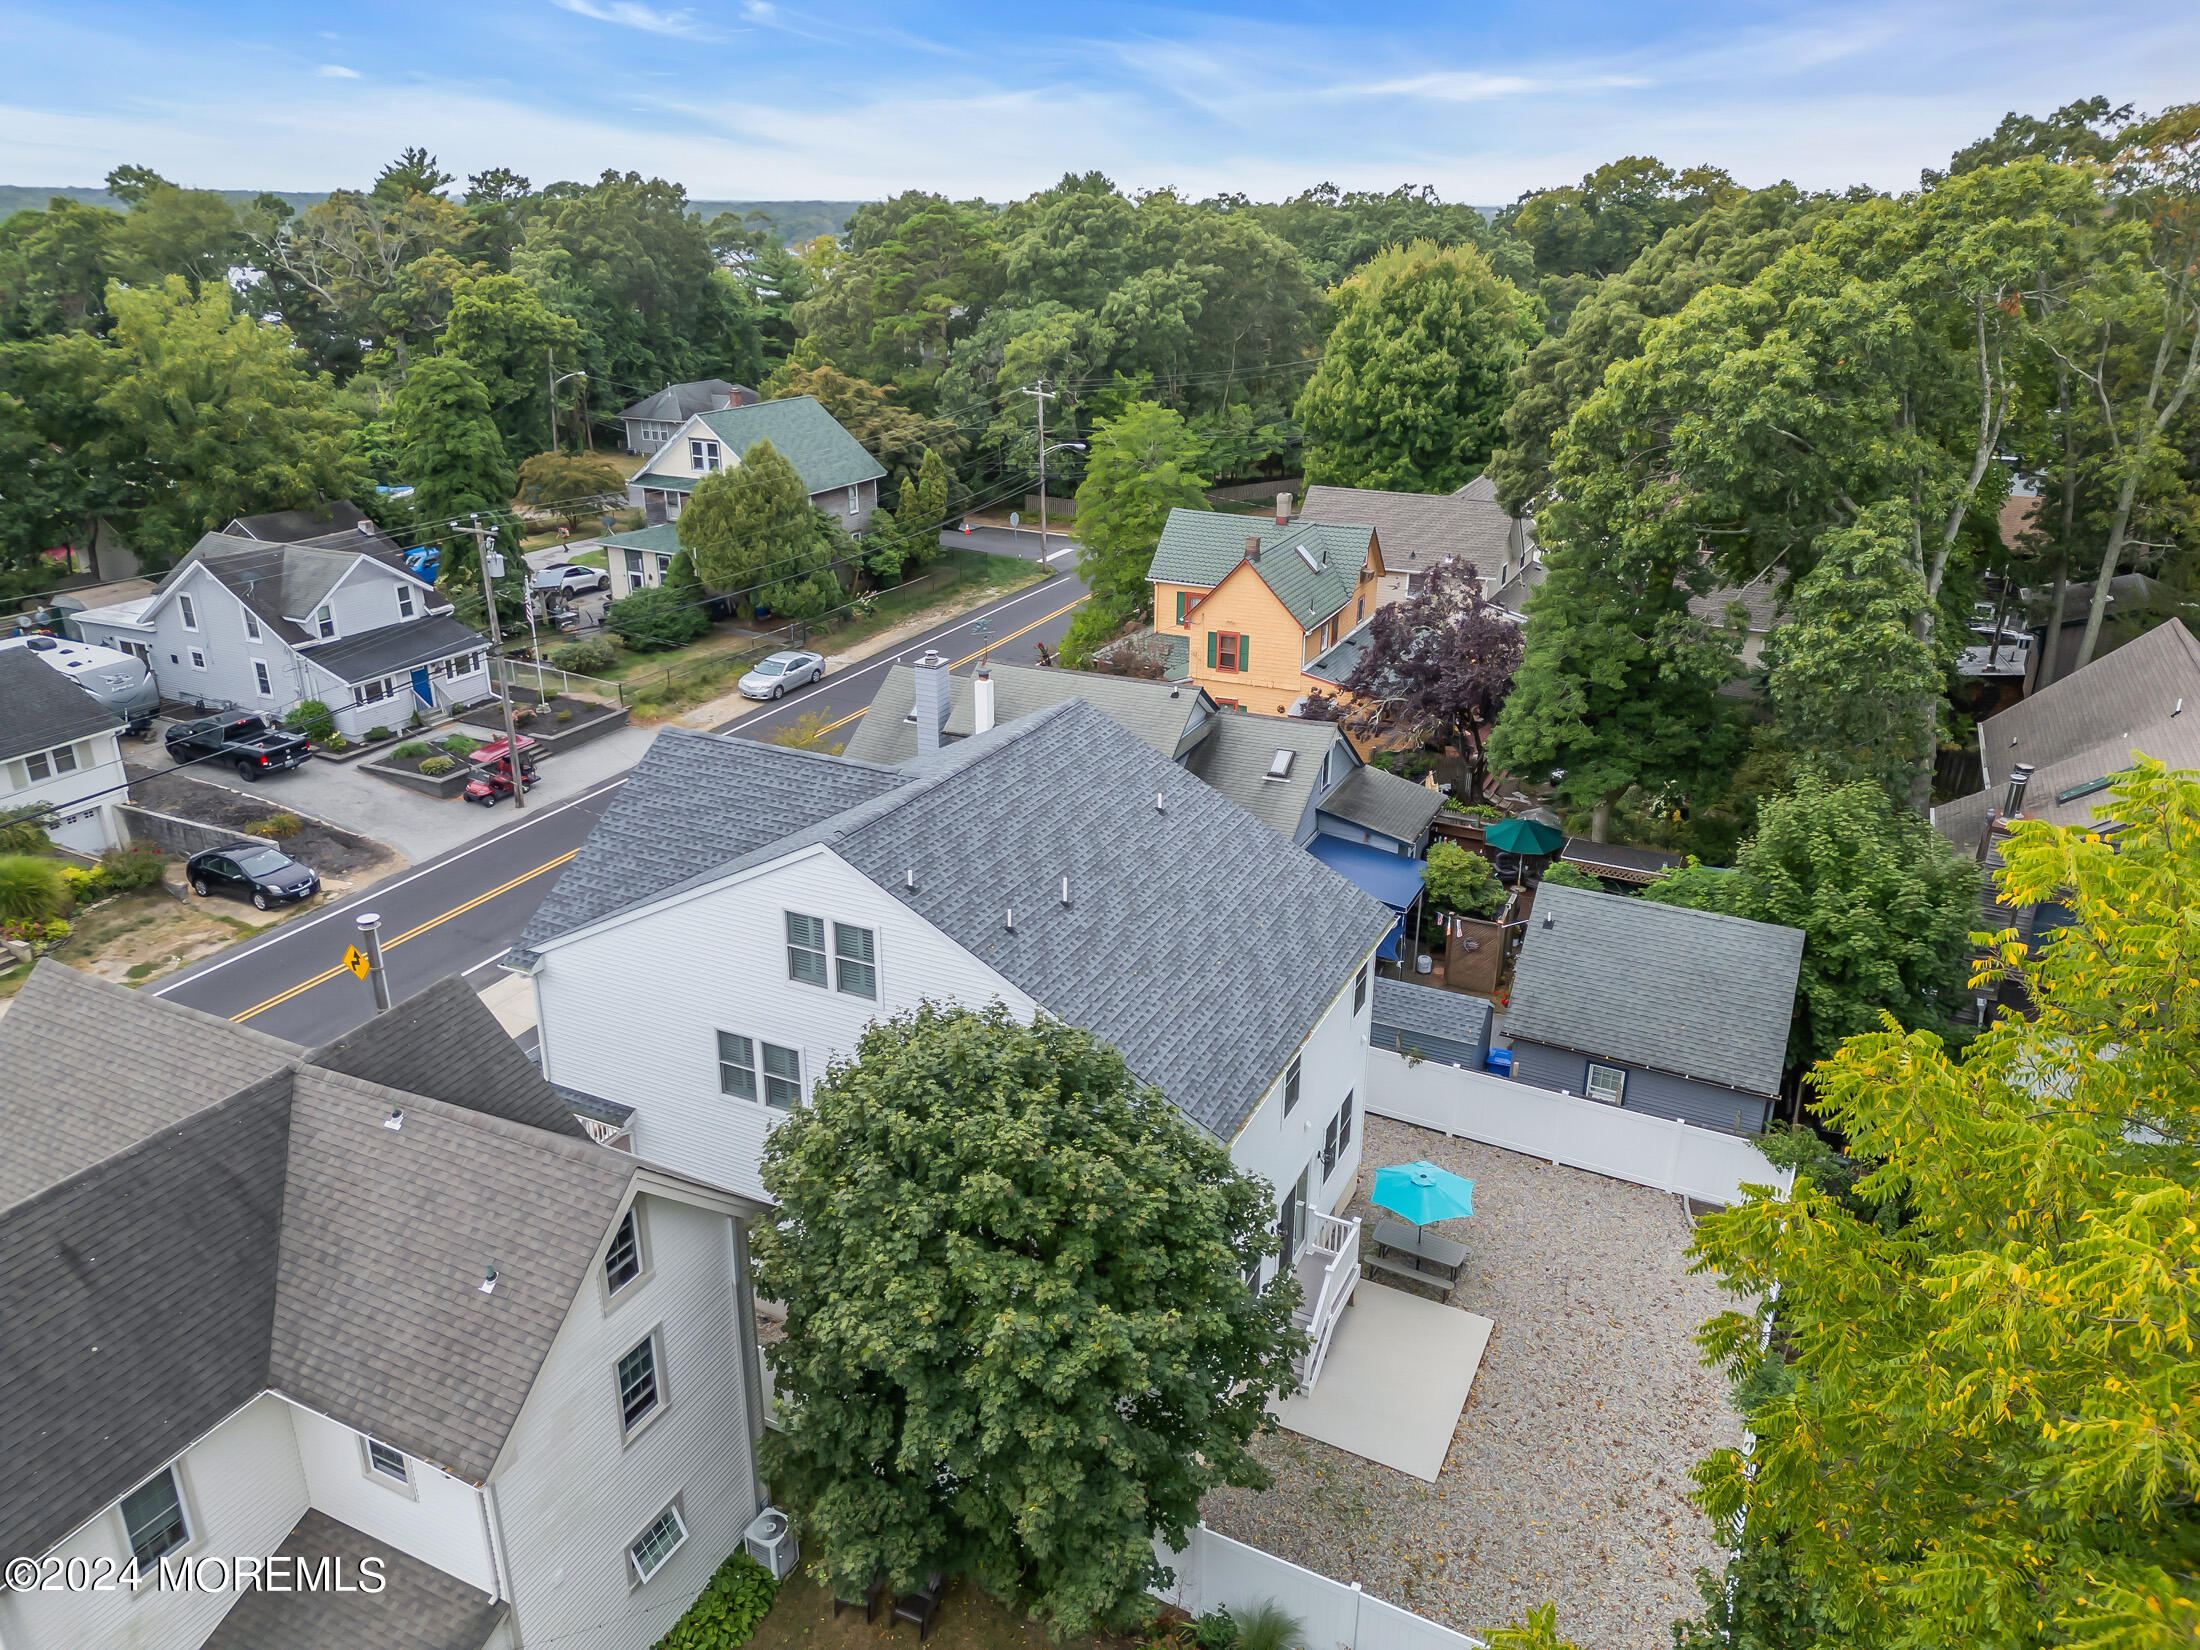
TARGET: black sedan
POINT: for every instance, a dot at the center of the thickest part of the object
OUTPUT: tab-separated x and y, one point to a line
257	871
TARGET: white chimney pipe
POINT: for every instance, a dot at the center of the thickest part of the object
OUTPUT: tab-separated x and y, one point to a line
981	702
933	700
1283	509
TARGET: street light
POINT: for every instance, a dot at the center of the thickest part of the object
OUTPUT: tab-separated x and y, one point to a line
550	370
1077	446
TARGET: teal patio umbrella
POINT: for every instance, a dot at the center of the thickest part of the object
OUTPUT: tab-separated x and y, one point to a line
1524	836
1422	1193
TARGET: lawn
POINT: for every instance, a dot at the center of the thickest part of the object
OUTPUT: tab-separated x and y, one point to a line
960	576
801	1618
142	936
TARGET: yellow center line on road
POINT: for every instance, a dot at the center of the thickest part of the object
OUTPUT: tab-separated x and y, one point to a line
411	933
1003	641
326	975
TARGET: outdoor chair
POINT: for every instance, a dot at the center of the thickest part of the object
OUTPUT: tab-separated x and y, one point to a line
920	1606
873	1596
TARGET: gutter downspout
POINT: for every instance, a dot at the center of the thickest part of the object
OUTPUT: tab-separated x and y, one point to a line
492	1527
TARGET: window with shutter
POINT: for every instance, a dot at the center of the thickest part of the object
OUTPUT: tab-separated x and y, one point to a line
1211	650
1245	653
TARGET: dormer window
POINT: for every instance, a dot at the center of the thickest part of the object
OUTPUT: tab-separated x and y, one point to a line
404	601
324	622
703	456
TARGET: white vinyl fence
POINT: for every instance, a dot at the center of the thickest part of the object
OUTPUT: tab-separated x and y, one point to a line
1584	1134
1216	1573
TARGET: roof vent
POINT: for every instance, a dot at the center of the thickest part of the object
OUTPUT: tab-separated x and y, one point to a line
1549	921
1279	765
396	1118
1160	803
1065	890
489	1279
1009	922
2177	709
910	881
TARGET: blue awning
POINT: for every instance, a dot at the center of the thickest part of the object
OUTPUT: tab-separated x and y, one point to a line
1391	878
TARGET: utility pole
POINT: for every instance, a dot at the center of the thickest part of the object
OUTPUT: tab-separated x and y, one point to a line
1040	393
492	564
550	377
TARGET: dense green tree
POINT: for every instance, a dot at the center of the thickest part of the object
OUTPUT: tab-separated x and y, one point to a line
1728	245
169	231
222	409
919	267
1335	230
452	454
500	327
352	255
1983	1433
572	485
1884	904
1855	691
1411	392
1142	465
657	620
2087	130
895	435
71	471
753	533
1584	233
1062	1356
1459	879
54	268
413	172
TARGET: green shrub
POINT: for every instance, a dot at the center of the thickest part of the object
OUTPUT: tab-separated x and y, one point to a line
435	767
413	749
374	734
651	621
728	1610
1474	810
336	742
460	746
1270	1627
32	889
1458	879
590	658
277	825
1216	1630
20	832
564	716
1567	876
313	719
123	869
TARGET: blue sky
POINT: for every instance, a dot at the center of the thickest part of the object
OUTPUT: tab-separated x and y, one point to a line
781	99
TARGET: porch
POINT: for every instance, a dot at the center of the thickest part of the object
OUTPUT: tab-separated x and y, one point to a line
1328	1268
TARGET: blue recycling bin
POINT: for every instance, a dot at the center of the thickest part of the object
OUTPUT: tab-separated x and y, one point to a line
1499	1060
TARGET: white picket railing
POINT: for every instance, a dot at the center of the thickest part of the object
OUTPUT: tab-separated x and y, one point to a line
1217	1573
1335	1245
1561	1128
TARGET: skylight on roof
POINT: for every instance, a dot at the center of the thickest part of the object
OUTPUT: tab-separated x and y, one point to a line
1279	765
1306	554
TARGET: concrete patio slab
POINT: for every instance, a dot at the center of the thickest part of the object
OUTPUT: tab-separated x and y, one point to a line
1398	1374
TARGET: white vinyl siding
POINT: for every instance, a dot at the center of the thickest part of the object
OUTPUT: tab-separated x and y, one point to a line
261	679
652	1550
432	1515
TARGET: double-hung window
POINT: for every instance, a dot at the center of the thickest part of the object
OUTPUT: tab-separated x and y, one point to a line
639	1394
806	948
189	612
1227	650
738	1074
622	1262
1607	1084
1359	989
152	1517
404	601
855	961
260	679
1337	1138
324	621
702	456
654	1547
251	626
46	764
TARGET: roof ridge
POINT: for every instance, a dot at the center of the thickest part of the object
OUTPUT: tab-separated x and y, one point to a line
735	739
967	755
571	1147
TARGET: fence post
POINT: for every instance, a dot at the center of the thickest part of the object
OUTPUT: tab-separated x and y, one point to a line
1359	1597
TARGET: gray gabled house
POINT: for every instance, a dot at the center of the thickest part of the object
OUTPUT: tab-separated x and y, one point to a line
1682	1014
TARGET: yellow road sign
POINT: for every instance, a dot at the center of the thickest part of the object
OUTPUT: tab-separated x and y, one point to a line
356	960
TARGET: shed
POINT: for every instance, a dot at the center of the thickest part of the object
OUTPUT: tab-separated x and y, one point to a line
1444	1026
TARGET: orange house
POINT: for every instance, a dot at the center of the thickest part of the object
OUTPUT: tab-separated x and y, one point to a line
1252	601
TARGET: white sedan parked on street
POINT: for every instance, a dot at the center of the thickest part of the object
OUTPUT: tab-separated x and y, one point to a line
781	673
572	578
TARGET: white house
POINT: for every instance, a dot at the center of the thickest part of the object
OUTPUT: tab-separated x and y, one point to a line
841	476
378	1324
743	910
652	421
61	750
266	626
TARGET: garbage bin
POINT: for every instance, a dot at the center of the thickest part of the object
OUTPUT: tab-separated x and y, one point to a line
1499	1060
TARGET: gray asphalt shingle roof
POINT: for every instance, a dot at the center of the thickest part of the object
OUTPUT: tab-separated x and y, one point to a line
1169	721
1235	762
677	403
2135	687
992	824
395	647
1451	1015
338	524
228	1216
45	708
1418	530
823	454
275	580
1336	663
1698	993
1383	802
419	1607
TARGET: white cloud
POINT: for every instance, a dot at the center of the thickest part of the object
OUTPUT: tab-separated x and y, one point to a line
1465	86
336	71
759	11
634	15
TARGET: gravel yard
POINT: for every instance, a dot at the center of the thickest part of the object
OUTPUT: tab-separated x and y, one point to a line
1568	1474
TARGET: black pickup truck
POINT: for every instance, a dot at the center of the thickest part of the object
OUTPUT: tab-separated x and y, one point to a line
246	743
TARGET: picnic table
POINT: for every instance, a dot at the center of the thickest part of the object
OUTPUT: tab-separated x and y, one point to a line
1416	1256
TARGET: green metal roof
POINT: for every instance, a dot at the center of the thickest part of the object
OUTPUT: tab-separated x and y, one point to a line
1312	566
664	539
823	454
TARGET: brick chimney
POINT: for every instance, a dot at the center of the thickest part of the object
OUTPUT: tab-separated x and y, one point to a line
933	700
1252	547
1283	509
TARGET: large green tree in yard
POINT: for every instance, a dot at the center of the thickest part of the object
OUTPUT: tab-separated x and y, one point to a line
1141	466
1019	1340
1848	675
751	529
1885	906
1974	1420
501	328
222	412
452	453
1411	391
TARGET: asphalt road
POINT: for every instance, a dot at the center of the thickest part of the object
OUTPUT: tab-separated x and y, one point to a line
460	912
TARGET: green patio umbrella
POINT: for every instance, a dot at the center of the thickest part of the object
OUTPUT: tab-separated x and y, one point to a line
1524	836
